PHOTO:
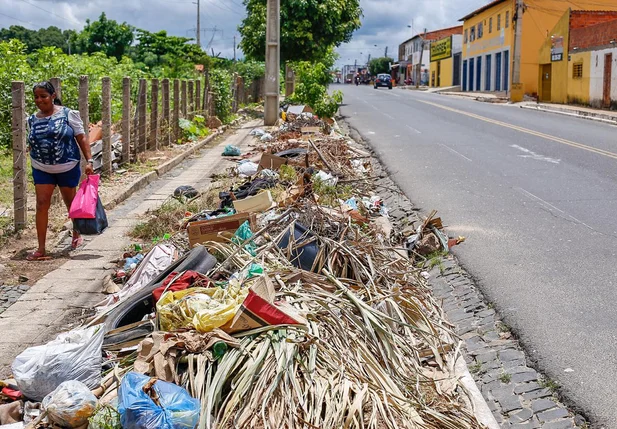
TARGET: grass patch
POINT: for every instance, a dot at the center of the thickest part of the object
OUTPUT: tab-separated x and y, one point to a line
6	179
476	368
142	167
329	194
502	327
505	378
435	259
549	384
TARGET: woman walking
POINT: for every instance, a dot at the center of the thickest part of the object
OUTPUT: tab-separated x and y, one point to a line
55	136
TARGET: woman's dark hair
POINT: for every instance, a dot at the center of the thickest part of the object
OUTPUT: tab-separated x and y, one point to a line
49	88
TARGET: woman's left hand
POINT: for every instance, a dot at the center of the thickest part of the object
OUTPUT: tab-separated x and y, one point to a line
89	169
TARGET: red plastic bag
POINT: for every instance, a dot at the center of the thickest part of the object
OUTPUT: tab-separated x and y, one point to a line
84	204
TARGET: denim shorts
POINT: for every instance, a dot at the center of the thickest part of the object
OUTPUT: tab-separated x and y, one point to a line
69	179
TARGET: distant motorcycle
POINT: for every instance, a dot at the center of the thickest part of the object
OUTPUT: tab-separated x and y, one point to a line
357	81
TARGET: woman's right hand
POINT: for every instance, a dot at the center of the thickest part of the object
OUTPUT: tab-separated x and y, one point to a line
89	169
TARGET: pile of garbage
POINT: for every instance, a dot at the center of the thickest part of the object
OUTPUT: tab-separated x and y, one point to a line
295	302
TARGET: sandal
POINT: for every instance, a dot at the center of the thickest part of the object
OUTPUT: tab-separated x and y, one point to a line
76	242
37	256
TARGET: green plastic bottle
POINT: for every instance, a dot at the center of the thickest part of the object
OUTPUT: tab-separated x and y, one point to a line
219	349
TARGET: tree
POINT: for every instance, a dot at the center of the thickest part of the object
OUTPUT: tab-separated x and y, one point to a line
380	65
35	40
309	28
107	36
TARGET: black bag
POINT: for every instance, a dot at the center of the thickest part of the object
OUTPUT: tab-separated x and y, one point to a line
92	226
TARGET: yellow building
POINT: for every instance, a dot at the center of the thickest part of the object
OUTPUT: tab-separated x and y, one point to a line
445	70
567	73
488	41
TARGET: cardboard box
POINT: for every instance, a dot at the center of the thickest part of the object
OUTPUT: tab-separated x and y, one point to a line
271	162
259	309
255	204
208	230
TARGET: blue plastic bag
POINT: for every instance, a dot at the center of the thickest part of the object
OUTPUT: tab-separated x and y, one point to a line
177	410
92	226
231	150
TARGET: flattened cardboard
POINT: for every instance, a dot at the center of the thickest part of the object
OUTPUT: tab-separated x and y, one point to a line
259	309
255	204
271	162
208	230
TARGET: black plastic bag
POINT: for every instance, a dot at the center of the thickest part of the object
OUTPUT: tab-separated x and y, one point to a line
92	226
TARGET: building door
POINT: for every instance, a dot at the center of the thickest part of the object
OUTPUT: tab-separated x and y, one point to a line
438	74
465	75
487	78
608	75
506	69
456	73
498	72
546	82
479	74
471	74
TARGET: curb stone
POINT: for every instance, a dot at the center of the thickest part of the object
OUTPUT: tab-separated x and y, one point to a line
597	117
498	365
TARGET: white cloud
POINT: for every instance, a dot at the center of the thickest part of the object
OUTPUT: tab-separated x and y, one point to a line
178	18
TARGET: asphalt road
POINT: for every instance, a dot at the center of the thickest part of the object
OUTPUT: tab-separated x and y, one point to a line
536	195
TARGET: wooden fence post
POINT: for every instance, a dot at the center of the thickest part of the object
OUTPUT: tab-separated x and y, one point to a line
153	144
206	91
57	83
106	118
126	120
84	113
191	90
184	100
240	91
166	123
20	186
176	118
234	93
141	109
198	97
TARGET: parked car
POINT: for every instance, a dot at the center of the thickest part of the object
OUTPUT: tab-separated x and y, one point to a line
383	80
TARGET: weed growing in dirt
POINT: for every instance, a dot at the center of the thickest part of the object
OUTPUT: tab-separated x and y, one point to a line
476	368
549	384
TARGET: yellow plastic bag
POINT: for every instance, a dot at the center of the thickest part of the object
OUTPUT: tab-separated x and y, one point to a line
201	308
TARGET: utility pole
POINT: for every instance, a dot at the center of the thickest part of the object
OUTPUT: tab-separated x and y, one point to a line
198	24
419	70
385	54
369	60
516	93
273	62
234	48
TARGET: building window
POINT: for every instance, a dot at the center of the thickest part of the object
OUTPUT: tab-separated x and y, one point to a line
498	22
480	30
577	71
490	25
472	34
466	36
507	23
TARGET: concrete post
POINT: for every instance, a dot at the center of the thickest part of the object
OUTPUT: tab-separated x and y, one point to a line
166	113
191	106
126	120
176	113
184	99
153	143
273	62
18	129
106	118
142	110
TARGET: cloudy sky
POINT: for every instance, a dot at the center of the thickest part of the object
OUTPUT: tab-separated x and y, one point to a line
385	22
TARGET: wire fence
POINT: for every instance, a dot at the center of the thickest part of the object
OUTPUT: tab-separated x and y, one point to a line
150	121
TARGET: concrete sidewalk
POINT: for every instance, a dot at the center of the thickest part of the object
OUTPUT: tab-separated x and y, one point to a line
605	116
60	299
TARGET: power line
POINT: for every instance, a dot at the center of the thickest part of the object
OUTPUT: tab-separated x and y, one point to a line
50	12
227	8
17	19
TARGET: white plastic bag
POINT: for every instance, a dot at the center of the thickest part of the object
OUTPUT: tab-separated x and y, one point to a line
70	405
74	355
248	168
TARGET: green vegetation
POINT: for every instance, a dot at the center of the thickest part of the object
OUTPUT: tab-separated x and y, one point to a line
195	129
309	28
505	378
312	89
380	65
549	384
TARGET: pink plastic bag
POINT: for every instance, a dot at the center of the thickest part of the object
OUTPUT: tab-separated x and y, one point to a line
84	204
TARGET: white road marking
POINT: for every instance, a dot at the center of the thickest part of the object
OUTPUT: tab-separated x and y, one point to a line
531	154
371	133
413	129
546	203
456	152
389	116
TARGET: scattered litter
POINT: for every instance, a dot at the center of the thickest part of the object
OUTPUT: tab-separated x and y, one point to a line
231	150
186	192
247	168
266	137
11	412
70	405
327	178
146	403
74	355
257	132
